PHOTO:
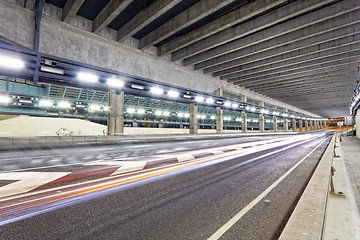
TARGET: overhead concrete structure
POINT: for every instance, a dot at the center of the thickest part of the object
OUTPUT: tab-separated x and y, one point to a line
295	55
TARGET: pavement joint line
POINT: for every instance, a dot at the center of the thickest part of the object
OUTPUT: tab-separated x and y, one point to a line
243	211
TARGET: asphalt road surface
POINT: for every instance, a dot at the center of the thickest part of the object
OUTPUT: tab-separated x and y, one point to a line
248	193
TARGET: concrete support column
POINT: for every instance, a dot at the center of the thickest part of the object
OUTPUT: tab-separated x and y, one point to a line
261	120
300	125
243	121
293	123
193	118
306	125
311	125
275	124
219	120
316	125
115	123
286	125
357	123
324	124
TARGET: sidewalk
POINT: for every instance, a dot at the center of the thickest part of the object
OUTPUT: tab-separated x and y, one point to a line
342	219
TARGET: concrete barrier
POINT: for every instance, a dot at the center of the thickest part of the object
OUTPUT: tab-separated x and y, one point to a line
307	220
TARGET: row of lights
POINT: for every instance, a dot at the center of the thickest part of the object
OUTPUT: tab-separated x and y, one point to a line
15	63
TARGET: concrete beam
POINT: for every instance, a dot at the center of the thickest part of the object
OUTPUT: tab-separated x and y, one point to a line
70	9
319	19
146	16
307	40
241	14
267	20
193	14
109	13
344	55
307	55
30	4
347	63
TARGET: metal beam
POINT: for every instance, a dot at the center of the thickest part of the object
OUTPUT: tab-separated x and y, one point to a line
319	19
70	9
191	15
245	12
267	20
145	17
109	13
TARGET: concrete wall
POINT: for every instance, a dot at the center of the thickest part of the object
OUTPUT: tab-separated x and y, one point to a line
357	123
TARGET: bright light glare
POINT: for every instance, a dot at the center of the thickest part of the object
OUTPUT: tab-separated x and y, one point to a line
141	111
212	117
210	100
113	82
10	62
227	104
186	115
45	103
158	112
87	77
199	99
253	109
173	94
95	107
106	108
238	119
180	114
247	108
156	90
235	105
166	113
5	99
130	110
63	104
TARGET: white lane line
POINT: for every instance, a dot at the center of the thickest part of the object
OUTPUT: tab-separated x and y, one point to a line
243	211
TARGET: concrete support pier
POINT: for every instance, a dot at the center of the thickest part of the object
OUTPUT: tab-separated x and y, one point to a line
306	125
311	125
293	123
193	118
300	125
219	120
243	121
275	124
286	125
115	123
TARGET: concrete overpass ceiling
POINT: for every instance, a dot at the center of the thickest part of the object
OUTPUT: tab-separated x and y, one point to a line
304	53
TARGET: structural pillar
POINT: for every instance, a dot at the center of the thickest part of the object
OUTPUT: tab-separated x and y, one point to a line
115	124
219	114
261	120
311	125
324	124
193	118
243	121
293	123
306	125
275	123
300	125
219	120
286	125
316	125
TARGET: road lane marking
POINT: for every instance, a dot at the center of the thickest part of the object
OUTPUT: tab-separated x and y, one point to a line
27	181
243	211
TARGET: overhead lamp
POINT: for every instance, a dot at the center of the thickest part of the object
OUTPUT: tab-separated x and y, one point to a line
130	110
87	77
173	94
292	116
234	105
187	96
199	99
255	120
166	113
210	100
253	109
46	103
63	104
227	104
135	86
158	112
212	117
262	110
156	90
219	102
11	62
238	119
95	107
180	114
266	111
141	111
202	116
4	99
52	70
106	108
114	82
80	106
247	107
186	115
242	106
